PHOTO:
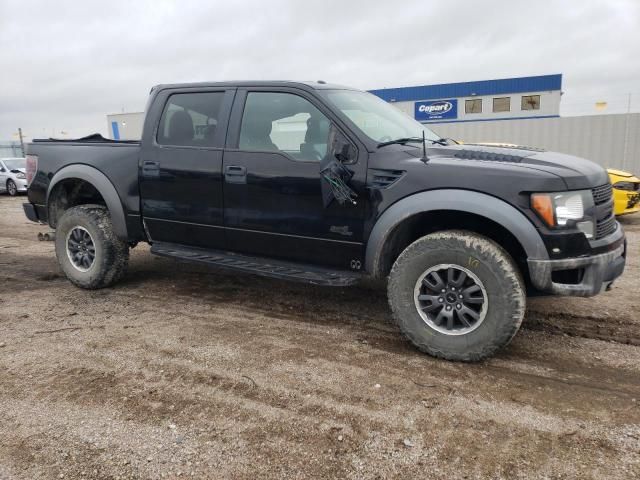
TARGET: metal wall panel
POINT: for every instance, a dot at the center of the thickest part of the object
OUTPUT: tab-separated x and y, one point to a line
610	140
10	149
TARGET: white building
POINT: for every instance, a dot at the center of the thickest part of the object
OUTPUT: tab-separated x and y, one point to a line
125	126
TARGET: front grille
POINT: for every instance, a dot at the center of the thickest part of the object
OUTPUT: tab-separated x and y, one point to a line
605	221
602	194
605	227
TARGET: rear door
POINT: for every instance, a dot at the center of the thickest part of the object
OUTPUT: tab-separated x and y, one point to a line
181	166
272	188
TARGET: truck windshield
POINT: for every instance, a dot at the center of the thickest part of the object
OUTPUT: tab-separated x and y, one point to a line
377	119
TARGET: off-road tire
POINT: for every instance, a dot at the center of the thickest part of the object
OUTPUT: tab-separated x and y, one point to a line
12	188
111	253
490	263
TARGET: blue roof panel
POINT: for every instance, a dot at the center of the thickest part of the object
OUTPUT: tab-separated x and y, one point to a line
466	89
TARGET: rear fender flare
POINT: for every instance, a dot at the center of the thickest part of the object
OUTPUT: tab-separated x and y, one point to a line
103	185
457	200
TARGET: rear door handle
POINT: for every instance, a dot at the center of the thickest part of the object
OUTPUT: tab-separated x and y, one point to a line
235	174
151	168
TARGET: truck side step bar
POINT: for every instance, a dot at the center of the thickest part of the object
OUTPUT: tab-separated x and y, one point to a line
265	267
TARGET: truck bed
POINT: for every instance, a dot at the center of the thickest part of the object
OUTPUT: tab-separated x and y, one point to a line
116	159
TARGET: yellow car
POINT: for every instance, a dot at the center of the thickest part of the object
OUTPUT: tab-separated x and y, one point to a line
626	192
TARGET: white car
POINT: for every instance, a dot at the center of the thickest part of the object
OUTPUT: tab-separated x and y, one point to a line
12	175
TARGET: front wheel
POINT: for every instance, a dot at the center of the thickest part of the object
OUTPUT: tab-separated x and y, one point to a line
12	188
88	251
457	295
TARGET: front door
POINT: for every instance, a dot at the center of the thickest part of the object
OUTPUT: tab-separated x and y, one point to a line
181	168
272	188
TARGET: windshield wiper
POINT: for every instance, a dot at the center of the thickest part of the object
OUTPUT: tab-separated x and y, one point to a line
423	140
445	141
401	141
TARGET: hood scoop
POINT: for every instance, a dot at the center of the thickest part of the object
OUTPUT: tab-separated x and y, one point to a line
489	156
509	146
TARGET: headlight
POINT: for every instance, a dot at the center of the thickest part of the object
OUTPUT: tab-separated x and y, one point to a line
630	186
565	210
20	175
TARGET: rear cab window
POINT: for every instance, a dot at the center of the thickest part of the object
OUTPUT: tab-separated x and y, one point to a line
190	119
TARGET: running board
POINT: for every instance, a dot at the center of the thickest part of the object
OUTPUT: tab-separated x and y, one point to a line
266	267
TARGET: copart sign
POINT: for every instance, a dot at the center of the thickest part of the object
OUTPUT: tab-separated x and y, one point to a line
436	109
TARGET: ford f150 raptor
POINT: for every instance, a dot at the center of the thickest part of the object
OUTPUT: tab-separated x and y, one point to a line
326	184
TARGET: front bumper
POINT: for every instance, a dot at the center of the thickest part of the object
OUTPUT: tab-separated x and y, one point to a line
626	202
21	184
591	274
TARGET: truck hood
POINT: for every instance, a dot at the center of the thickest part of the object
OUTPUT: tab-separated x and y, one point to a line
576	172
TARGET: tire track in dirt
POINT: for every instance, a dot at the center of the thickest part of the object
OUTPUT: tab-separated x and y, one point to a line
620	330
244	377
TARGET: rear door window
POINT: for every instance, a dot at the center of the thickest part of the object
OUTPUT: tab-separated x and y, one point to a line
190	119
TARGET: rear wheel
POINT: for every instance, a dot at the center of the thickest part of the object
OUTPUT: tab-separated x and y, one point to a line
12	189
89	253
457	295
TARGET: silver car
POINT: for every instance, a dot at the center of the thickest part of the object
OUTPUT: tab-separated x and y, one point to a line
12	175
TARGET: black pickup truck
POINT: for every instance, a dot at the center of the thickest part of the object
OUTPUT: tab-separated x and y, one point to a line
325	184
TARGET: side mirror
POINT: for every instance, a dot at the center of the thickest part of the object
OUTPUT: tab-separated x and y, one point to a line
346	154
341	148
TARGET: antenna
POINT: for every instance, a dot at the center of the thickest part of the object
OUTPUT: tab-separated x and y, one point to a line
424	148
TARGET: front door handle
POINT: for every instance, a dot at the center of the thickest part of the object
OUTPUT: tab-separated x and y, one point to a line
235	174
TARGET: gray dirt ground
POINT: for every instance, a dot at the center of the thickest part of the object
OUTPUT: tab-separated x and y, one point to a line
184	372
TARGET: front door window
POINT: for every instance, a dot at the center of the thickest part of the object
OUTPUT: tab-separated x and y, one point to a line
286	123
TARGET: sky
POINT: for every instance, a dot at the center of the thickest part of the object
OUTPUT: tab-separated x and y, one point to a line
65	65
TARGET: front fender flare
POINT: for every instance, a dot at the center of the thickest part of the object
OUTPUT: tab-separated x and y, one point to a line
458	200
104	186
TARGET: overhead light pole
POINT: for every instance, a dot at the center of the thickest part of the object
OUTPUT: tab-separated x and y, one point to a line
21	140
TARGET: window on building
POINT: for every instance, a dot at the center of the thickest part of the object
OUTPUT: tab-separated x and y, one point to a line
502	104
190	119
473	106
530	102
286	123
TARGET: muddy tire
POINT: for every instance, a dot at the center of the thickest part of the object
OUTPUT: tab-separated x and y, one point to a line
89	253
457	295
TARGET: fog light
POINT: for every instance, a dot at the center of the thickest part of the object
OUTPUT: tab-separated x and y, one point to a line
586	228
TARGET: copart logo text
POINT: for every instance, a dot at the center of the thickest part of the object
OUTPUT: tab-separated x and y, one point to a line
436	108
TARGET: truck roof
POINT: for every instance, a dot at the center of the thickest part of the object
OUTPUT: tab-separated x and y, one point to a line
315	85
